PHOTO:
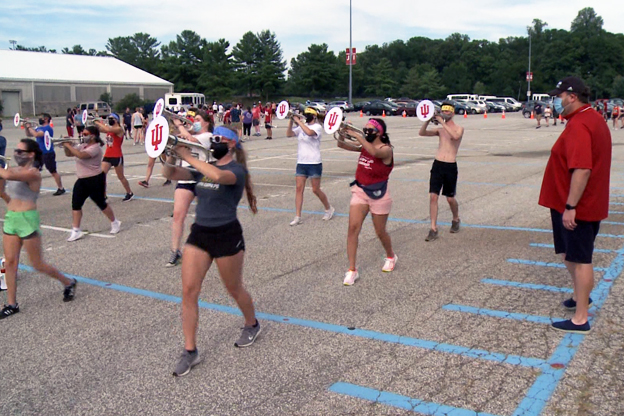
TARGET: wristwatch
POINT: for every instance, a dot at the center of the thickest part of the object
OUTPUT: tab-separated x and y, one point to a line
570	207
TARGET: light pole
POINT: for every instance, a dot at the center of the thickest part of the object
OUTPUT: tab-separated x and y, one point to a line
350	53
13	42
529	76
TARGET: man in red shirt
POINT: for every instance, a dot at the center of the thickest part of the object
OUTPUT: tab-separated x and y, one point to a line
576	189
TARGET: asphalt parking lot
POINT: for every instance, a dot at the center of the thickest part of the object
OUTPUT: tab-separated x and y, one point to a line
461	327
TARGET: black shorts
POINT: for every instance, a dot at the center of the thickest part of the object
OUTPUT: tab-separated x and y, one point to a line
577	245
114	161
222	241
187	186
49	161
268	126
92	187
443	177
80	129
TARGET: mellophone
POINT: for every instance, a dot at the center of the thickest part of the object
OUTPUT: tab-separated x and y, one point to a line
5	161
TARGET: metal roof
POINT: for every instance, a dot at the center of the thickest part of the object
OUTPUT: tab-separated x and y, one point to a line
59	67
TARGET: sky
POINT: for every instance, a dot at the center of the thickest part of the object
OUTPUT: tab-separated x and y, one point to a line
63	23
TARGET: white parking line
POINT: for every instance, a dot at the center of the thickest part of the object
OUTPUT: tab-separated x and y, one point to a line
67	230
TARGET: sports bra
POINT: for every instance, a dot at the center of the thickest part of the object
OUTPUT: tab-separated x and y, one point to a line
20	190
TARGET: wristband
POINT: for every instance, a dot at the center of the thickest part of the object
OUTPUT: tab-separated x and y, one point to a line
570	207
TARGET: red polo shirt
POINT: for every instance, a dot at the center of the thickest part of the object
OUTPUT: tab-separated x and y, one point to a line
584	144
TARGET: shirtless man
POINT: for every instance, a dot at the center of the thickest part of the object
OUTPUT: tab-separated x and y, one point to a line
444	170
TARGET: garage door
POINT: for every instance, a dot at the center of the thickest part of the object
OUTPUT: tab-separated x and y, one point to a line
10	102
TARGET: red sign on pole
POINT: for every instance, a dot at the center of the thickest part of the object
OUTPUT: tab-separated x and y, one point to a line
351	56
529	76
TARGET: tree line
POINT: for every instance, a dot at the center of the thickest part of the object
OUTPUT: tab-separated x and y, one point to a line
419	67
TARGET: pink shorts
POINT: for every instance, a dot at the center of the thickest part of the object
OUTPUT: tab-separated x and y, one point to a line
377	206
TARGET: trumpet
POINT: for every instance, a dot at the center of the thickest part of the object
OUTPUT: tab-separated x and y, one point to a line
4	162
17	120
59	142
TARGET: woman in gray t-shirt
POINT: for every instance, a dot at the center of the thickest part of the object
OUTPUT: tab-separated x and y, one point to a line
216	235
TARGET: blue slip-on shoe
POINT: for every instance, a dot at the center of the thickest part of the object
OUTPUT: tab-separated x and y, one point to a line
569	326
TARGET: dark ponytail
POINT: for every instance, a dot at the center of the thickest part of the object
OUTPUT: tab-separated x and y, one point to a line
33	146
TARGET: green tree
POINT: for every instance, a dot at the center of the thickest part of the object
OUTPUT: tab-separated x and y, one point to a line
313	73
381	83
617	90
140	50
479	88
587	22
244	54
270	63
216	79
182	60
130	101
107	98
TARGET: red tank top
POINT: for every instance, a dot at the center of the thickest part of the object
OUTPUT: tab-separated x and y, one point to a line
113	145
372	169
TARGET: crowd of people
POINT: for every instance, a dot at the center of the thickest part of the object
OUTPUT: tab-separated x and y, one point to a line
575	188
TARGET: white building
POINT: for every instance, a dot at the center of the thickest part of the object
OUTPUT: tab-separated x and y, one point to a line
36	82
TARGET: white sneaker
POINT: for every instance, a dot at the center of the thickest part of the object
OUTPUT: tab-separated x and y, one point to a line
3	285
350	277
389	264
75	235
329	214
296	221
115	227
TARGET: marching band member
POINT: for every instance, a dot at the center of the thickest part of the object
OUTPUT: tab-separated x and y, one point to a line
21	223
49	155
185	189
113	155
91	181
369	193
309	163
216	235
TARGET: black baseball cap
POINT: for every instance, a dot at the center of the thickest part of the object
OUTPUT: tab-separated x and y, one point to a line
570	84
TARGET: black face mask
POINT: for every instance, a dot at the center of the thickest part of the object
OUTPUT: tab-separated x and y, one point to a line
309	118
41	121
111	122
370	137
219	150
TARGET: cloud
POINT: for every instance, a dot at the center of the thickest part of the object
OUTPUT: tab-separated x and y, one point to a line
63	23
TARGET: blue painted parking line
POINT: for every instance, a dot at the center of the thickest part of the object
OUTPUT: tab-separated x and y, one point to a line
596	250
402	402
501	314
531	286
338	329
612	222
544	264
615	212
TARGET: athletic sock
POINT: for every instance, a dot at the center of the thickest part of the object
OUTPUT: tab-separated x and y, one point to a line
192	351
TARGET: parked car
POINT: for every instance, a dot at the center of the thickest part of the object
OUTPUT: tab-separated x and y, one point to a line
409	108
100	107
472	108
344	106
359	105
318	107
527	108
460	107
495	107
377	108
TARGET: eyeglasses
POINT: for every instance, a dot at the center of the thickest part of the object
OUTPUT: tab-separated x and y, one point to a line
368	130
218	139
20	151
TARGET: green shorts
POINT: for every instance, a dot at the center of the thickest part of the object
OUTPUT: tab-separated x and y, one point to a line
24	224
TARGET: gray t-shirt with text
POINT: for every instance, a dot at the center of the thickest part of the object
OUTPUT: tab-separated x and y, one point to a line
217	203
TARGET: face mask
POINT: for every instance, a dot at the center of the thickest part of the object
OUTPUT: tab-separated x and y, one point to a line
197	127
309	118
41	121
219	150
21	160
85	139
558	104
370	137
446	117
111	122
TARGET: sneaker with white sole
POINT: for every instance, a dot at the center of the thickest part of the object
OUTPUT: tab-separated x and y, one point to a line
389	264
187	361
75	235
248	336
329	214
296	221
174	259
115	227
350	277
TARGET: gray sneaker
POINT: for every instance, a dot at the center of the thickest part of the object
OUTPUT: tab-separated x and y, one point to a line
248	336
432	235
187	361
455	226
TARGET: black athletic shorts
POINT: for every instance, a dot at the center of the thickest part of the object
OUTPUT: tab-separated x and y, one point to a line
443	177
49	161
114	161
578	244
92	187
222	241
187	186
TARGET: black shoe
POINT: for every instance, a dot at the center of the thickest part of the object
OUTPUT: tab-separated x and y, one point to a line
70	292
569	326
59	191
9	310
570	304
455	226
128	197
538	127
174	259
431	236
167	182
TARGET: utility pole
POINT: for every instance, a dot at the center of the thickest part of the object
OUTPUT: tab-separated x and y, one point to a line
529	87
13	42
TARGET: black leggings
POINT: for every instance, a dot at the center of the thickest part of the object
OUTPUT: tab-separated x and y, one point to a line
92	187
246	129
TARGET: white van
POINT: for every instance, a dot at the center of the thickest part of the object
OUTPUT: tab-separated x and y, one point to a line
542	97
507	100
487	97
175	101
462	97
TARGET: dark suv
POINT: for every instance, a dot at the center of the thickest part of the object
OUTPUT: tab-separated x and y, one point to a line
377	108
